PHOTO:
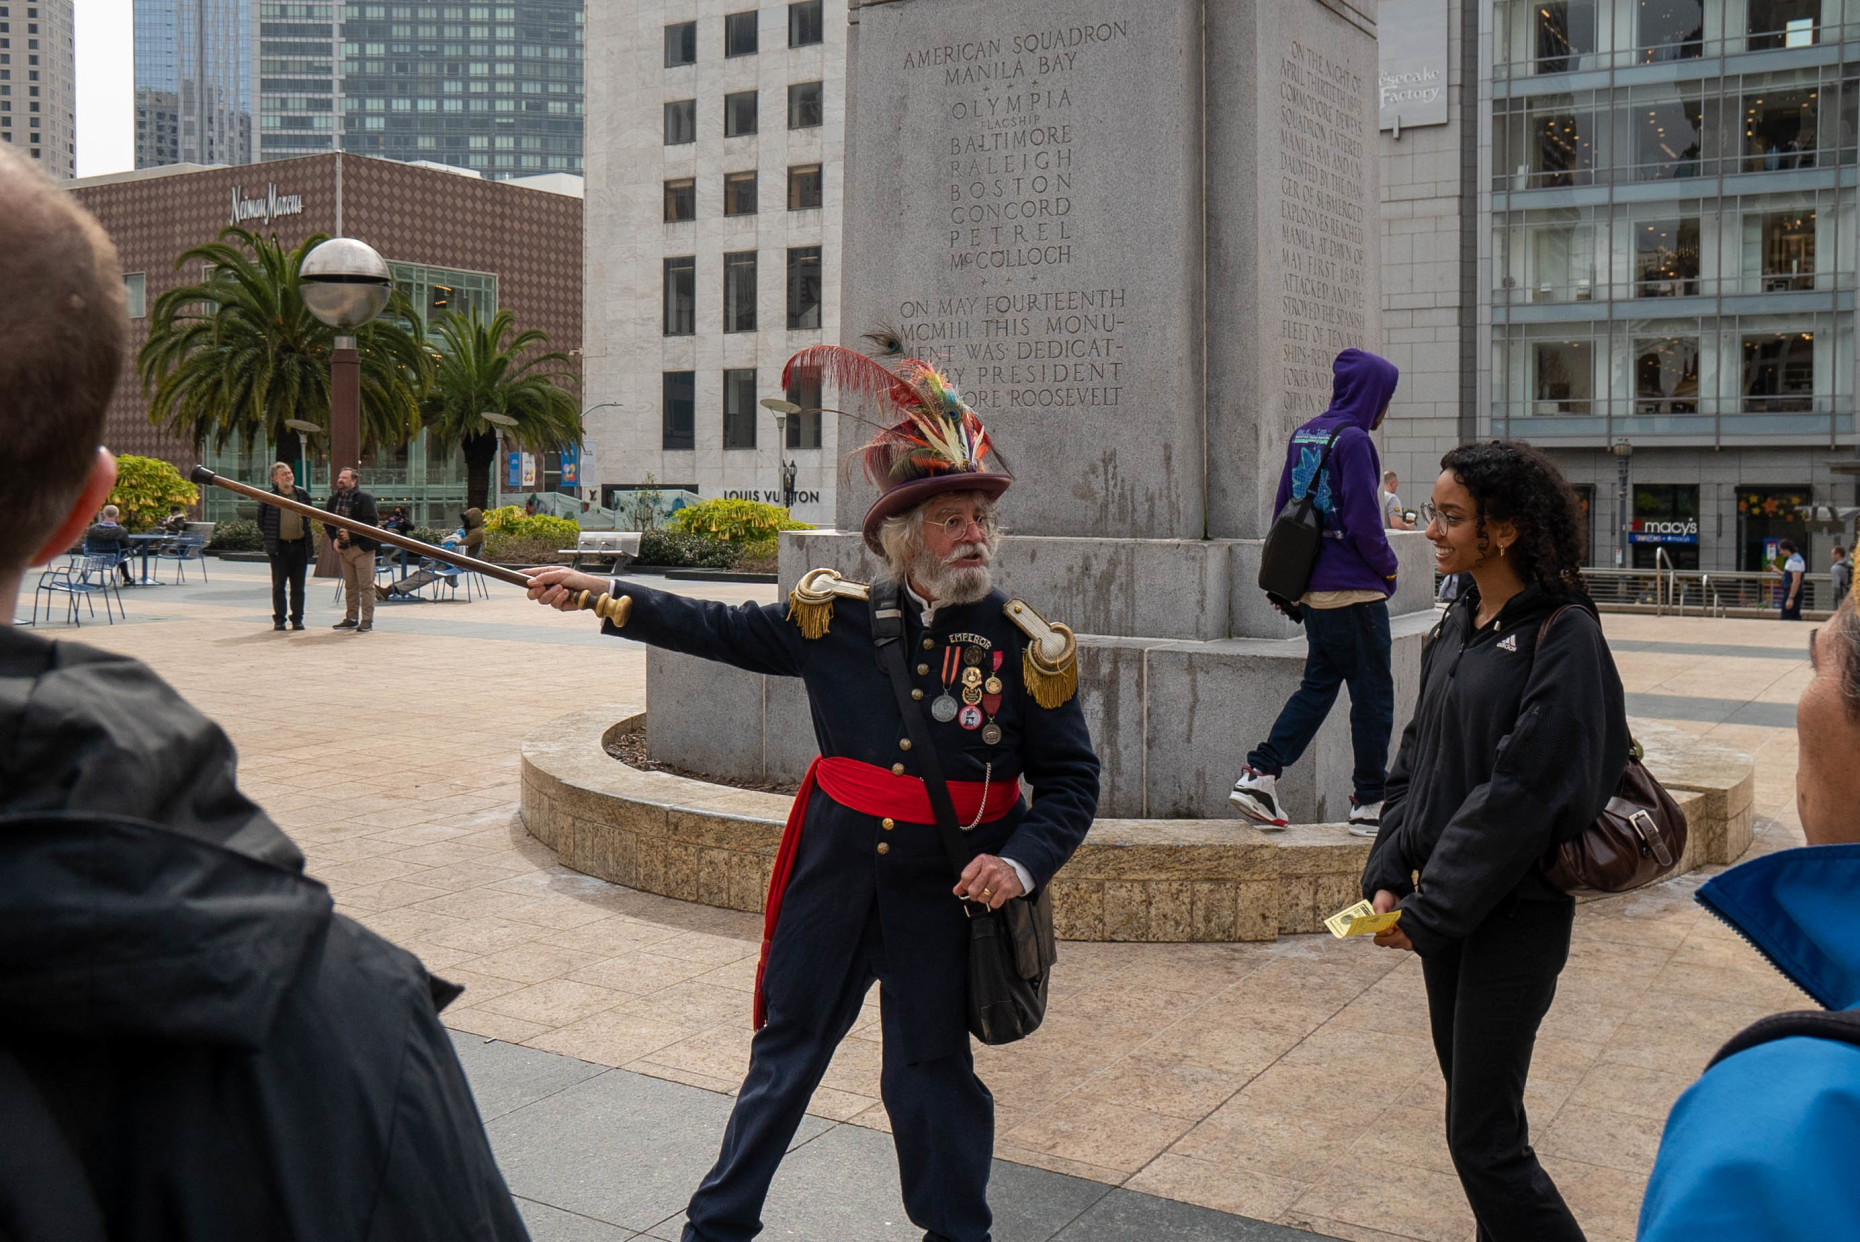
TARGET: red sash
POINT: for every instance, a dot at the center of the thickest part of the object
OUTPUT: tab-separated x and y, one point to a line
870	790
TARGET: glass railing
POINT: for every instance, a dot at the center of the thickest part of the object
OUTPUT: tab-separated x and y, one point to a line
1676	51
1654	290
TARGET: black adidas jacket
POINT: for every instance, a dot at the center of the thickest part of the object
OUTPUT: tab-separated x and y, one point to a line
1512	750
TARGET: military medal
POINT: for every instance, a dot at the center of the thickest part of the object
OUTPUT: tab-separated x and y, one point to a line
943	708
970	717
971	658
991	703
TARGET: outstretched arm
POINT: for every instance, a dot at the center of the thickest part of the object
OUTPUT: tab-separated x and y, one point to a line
754	637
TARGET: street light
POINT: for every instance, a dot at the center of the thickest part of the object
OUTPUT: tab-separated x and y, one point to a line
1622	450
784	471
344	283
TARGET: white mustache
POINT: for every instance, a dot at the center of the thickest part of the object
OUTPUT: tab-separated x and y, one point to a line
963	551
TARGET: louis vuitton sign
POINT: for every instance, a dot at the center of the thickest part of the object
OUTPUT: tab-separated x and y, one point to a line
265	209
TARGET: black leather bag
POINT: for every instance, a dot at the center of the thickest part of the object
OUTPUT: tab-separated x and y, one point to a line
1639	837
1011	950
1291	549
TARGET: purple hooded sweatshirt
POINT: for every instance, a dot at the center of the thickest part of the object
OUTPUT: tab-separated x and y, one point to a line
1355	554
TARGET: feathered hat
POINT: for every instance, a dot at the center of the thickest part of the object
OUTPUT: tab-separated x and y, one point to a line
937	445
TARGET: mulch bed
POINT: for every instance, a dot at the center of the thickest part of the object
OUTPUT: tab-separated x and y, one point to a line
630	748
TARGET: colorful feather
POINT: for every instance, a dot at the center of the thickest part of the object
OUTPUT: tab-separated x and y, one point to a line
851	373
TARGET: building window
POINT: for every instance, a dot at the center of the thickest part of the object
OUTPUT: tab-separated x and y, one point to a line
804	390
739	114
1780	130
1666	375
136	293
739	409
680	44
1670	30
1782	23
804	106
680	122
803	187
678	417
681	296
1563	379
739	34
1552	145
1765	517
680	200
1666	258
1565	33
1779	372
1668	137
739	194
803	288
1782	245
739	291
804	24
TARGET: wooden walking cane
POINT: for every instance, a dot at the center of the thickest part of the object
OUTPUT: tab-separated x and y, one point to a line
603	605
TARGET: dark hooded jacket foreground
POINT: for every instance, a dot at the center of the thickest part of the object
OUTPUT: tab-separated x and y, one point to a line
193	1044
1515	746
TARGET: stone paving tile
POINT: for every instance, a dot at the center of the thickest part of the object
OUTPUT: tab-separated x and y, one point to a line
1291	1081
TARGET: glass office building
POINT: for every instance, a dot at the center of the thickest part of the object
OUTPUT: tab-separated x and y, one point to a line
1673	238
193	82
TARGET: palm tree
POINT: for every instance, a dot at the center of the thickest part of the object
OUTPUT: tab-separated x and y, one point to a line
238	353
479	371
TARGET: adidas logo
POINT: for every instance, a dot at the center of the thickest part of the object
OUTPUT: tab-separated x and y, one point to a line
1508	643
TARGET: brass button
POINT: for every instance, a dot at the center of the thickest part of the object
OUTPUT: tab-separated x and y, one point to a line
897	769
929	644
923	670
904	743
887	823
883	848
917	694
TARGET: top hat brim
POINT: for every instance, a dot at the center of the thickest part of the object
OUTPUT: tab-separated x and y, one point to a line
908	496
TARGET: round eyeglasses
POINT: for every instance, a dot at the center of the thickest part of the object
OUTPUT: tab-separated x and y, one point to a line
955	526
1430	515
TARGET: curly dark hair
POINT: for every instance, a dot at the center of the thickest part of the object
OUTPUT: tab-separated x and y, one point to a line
1512	482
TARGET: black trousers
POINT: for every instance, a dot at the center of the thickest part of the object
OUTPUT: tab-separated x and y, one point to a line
1486	997
288	564
942	1120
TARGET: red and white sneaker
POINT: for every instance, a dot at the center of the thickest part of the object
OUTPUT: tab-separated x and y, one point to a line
1257	796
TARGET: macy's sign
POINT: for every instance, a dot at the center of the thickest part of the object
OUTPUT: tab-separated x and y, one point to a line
273	204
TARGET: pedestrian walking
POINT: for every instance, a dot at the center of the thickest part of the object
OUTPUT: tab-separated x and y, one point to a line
289	546
1794	580
1345	611
1840	576
1517	742
1761	1147
357	552
196	1046
864	874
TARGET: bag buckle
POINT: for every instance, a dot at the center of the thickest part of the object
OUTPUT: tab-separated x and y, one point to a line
1649	833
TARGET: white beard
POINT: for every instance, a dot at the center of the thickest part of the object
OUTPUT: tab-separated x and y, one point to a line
949	585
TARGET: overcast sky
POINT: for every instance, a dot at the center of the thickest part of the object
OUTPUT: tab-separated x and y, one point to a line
105	87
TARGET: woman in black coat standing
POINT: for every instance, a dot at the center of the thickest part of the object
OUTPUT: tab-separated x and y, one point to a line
1516	745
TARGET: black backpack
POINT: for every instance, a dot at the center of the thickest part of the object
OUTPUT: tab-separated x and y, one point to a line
1291	550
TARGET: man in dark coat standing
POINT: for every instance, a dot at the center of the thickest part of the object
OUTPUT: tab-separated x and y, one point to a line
193	1045
357	553
288	545
863	888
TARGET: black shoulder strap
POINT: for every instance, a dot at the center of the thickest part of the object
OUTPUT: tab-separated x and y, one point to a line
888	638
1840	1025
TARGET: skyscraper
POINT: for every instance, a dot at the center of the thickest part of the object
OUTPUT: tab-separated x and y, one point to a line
194	81
38	82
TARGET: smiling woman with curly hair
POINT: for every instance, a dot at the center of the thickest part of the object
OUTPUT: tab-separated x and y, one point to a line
1517	742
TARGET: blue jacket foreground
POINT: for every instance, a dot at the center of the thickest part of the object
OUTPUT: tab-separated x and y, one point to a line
1355	553
1761	1148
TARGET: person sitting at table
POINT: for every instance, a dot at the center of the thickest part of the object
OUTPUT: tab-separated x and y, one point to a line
174	524
108	537
401	524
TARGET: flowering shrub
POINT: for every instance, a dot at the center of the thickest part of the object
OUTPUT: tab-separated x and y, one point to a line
148	490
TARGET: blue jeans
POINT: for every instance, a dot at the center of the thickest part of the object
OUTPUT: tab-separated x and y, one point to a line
1345	645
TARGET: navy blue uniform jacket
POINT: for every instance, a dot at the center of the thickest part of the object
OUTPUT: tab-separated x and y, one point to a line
838	871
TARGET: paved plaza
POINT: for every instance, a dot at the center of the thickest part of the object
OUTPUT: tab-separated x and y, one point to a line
1189	1091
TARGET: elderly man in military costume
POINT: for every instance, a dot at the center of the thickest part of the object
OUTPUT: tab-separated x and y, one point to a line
863	889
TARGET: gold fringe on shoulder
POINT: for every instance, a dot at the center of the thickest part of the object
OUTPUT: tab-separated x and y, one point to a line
1049	662
810	604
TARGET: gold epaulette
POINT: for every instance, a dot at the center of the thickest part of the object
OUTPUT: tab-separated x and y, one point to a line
1049	662
810	604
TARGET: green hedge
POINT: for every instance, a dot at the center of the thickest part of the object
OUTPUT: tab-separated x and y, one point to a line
679	550
236	537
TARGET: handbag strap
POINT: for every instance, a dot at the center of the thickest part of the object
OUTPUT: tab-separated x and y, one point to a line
888	638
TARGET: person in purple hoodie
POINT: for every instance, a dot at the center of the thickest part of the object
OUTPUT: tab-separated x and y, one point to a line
1345	611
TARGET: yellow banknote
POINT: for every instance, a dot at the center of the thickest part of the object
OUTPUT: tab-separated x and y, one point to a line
1360	919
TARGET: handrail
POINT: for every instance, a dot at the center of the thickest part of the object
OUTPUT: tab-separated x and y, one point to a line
1664	588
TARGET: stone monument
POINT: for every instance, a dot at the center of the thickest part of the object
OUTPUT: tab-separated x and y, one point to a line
1135	236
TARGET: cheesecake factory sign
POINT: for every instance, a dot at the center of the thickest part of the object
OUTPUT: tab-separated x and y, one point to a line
265	209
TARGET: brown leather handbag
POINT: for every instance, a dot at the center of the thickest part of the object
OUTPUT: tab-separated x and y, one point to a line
1639	837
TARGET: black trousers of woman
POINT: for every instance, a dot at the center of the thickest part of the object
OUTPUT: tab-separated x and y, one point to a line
1486	997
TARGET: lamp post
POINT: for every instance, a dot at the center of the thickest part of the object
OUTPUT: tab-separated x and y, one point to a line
593	487
344	283
1622	450
782	410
